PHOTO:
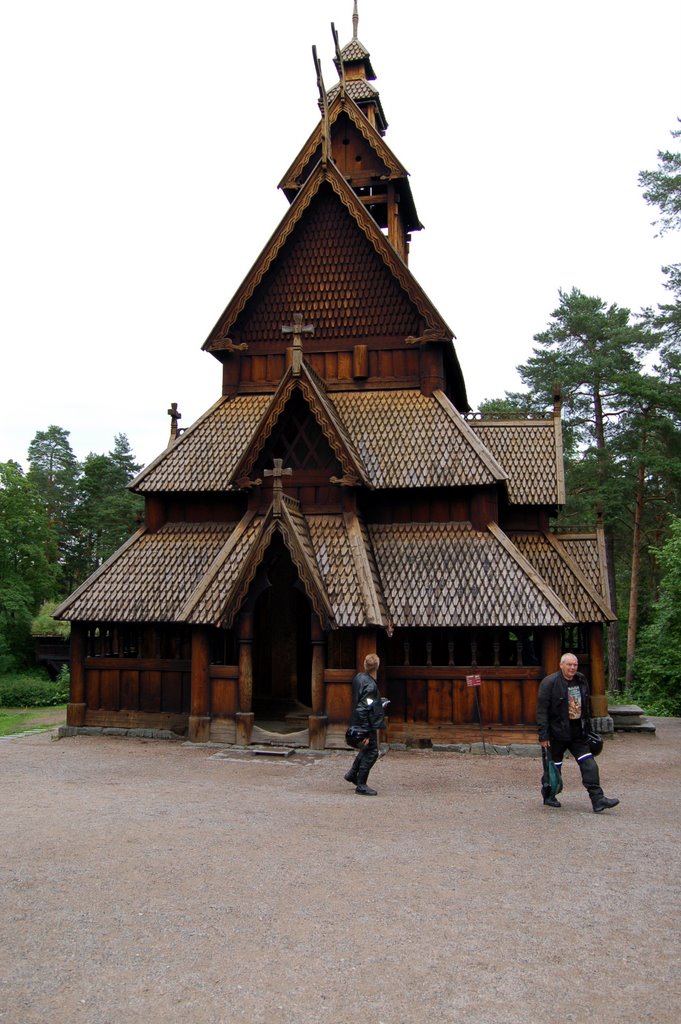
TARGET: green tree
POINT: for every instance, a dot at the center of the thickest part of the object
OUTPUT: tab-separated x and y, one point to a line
594	351
662	188
26	576
647	447
657	674
54	472
107	512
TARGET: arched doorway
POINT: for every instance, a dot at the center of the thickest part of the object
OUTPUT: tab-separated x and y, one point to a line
282	652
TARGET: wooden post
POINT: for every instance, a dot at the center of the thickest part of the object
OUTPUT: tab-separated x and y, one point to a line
199	713
550	650
245	716
318	721
360	361
599	700
367	643
76	708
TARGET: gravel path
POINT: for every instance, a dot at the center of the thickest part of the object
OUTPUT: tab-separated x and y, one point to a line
157	882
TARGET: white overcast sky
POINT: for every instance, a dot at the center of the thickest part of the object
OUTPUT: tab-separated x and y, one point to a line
143	141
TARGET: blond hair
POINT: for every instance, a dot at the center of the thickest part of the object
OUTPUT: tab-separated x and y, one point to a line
371	663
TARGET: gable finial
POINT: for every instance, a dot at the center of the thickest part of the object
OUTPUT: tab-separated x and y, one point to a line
355	21
175	417
324	104
339	60
297	329
277	484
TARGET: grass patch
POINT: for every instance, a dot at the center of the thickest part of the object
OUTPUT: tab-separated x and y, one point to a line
14	720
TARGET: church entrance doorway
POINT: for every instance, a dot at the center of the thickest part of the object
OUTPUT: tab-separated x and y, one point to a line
282	654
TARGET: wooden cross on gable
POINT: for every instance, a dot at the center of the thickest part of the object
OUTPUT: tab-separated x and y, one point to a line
278	488
175	416
297	329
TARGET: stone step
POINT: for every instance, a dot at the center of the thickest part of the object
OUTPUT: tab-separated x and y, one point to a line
630	718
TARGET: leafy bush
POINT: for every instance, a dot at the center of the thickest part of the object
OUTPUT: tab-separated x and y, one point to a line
44	625
34	690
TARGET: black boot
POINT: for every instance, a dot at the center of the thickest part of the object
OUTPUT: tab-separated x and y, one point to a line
365	790
605	803
550	801
351	776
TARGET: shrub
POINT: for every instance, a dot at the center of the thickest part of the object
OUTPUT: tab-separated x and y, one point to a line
34	689
44	625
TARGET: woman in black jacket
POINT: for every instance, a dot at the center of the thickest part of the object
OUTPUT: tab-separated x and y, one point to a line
367	715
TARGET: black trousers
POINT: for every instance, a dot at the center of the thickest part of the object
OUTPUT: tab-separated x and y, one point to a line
579	748
365	760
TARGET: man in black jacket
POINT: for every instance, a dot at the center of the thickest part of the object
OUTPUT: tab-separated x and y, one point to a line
367	714
563	717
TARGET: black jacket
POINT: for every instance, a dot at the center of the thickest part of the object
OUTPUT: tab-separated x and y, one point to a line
552	706
367	708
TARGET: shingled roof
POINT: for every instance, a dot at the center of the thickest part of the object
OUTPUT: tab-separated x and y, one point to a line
204	457
448	574
407	439
552	561
587	550
135	584
407	574
386	439
531	452
334	249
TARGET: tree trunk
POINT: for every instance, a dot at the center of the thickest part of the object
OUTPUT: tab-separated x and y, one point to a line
635	565
613	627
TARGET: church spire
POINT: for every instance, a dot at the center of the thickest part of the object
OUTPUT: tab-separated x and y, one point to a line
353	64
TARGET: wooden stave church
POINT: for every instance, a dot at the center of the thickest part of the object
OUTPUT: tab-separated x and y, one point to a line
337	499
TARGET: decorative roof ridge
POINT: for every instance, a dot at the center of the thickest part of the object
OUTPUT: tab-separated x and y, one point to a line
468	433
492	420
58	613
436	328
532	573
360	557
219	560
344	104
180	439
560	460
294	521
597	598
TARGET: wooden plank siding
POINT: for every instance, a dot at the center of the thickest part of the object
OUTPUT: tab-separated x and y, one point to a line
432	699
147	685
381	367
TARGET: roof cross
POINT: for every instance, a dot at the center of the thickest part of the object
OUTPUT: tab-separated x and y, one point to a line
297	329
278	489
175	416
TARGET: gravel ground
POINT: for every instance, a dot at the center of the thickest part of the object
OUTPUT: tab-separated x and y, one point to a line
158	882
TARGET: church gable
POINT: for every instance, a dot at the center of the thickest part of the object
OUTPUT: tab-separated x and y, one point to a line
298	440
356	146
341	283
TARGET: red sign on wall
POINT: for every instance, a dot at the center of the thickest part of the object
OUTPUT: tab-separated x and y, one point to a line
473	681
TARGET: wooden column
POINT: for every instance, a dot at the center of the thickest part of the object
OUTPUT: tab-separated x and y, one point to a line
199	705
551	650
599	700
318	721
431	369
367	643
75	709
245	716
